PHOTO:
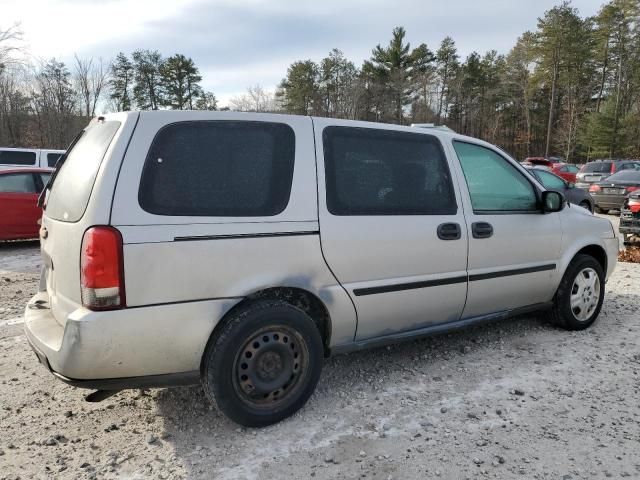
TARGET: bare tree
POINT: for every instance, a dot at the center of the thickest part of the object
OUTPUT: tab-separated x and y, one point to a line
90	80
10	44
257	99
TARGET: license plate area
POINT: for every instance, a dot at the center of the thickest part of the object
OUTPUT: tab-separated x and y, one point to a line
613	191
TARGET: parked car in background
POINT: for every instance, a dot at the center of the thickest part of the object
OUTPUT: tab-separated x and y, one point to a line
566	170
630	216
537	162
574	195
610	194
11	158
598	170
19	191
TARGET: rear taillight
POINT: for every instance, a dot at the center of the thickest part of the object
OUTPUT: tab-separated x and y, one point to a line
634	206
613	168
594	188
102	269
632	189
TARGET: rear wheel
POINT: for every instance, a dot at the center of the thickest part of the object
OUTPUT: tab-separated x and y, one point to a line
580	295
264	363
601	210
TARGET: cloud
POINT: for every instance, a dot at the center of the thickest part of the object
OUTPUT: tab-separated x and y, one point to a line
240	43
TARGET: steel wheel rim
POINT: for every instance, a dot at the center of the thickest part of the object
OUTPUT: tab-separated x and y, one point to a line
585	294
270	366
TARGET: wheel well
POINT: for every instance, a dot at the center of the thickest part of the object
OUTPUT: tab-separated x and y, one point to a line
298	297
596	252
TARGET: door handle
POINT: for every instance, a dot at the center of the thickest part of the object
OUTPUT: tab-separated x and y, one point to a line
449	231
481	230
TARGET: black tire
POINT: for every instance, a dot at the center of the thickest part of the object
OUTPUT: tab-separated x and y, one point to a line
601	210
579	317
587	205
264	363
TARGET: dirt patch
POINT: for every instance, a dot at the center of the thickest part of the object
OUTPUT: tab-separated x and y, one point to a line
516	399
630	254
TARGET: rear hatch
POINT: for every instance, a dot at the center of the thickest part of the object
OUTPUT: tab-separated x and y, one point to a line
594	172
65	201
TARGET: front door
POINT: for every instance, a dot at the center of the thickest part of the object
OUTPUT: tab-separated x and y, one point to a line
513	247
391	225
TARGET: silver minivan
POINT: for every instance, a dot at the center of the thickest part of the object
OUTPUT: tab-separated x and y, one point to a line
238	250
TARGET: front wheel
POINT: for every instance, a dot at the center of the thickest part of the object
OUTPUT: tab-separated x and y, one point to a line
580	295
264	363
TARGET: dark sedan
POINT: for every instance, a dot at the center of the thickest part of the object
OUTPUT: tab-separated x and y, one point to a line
611	193
573	195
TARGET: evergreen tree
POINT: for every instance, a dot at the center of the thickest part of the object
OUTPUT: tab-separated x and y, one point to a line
180	81
147	88
447	64
206	101
121	82
398	68
299	91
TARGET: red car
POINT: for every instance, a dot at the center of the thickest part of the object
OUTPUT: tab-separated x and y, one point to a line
566	171
538	162
19	191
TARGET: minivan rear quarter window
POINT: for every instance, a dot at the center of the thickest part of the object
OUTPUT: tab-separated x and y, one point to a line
72	187
219	169
17	157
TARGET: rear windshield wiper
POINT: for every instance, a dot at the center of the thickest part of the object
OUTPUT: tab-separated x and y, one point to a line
53	176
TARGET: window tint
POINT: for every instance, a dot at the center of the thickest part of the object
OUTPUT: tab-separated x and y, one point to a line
17	183
17	157
72	187
572	169
629	166
219	168
550	181
52	158
381	172
624	176
494	184
597	167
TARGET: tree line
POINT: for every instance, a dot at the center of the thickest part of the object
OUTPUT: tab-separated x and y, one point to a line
45	104
570	88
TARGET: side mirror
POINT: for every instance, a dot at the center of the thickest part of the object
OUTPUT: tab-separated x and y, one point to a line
552	202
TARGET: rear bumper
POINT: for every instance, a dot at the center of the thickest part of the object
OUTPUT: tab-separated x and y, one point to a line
609	201
130	348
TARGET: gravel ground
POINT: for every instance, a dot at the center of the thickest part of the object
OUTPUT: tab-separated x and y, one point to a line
516	399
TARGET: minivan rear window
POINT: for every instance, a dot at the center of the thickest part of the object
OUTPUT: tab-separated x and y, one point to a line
597	167
17	157
72	187
219	169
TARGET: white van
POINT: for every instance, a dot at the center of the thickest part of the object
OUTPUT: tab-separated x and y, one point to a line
11	158
239	249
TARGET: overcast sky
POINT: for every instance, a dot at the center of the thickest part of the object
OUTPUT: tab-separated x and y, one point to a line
237	43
